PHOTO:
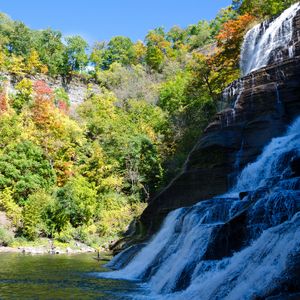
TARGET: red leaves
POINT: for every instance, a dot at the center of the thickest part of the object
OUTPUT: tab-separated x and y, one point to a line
43	90
62	106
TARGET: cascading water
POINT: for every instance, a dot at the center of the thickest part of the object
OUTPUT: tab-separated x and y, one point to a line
241	245
189	257
267	41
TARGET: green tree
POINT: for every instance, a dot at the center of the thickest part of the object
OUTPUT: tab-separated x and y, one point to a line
50	48
77	201
6	27
20	39
35	215
75	52
96	56
11	129
24	168
261	9
119	49
199	34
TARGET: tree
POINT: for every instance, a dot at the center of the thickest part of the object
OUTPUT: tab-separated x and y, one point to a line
34	65
55	132
224	15
77	200
130	136
6	27
75	52
20	39
35	215
154	57
157	48
232	32
25	169
262	9
50	49
140	51
24	90
96	56
11	128
17	65
119	49
177	36
61	100
199	34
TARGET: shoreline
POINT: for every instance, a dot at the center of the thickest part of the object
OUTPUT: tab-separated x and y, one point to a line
47	250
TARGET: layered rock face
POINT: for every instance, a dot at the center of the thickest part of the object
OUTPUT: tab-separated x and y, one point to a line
76	87
263	103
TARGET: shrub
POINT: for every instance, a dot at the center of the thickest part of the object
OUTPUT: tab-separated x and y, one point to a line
6	237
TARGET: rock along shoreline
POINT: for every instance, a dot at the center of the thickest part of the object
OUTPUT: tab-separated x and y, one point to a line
82	248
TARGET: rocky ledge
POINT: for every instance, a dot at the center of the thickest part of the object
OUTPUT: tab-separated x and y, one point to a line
267	102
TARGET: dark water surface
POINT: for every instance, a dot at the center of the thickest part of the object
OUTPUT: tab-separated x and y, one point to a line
58	277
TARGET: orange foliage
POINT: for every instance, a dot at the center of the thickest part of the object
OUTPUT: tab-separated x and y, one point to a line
3	103
232	32
43	104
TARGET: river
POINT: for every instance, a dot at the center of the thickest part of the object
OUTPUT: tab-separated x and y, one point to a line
59	277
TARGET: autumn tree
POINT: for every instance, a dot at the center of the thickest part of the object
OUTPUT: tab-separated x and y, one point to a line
23	96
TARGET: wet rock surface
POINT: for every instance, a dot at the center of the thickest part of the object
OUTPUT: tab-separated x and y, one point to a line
267	102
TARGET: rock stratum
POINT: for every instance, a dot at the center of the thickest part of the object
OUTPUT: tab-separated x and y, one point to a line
265	102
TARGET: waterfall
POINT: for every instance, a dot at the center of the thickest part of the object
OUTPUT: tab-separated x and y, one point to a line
267	41
197	254
244	244
272	162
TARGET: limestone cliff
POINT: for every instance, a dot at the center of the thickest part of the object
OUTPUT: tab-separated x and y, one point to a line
75	86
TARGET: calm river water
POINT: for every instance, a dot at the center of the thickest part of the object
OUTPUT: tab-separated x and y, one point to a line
59	277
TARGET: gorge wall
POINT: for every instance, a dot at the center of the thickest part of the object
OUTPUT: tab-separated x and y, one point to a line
75	86
262	104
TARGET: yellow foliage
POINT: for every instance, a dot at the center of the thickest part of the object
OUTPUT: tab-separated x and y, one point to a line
140	50
113	222
25	86
3	60
34	65
17	65
7	204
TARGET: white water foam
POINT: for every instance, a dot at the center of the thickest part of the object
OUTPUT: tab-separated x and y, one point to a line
263	39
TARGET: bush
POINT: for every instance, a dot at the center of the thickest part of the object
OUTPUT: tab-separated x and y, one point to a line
35	215
6	237
77	201
66	235
7	204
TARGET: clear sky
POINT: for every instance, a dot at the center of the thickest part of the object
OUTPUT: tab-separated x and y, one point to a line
98	20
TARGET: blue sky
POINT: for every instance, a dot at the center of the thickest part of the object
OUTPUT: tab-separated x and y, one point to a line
98	20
